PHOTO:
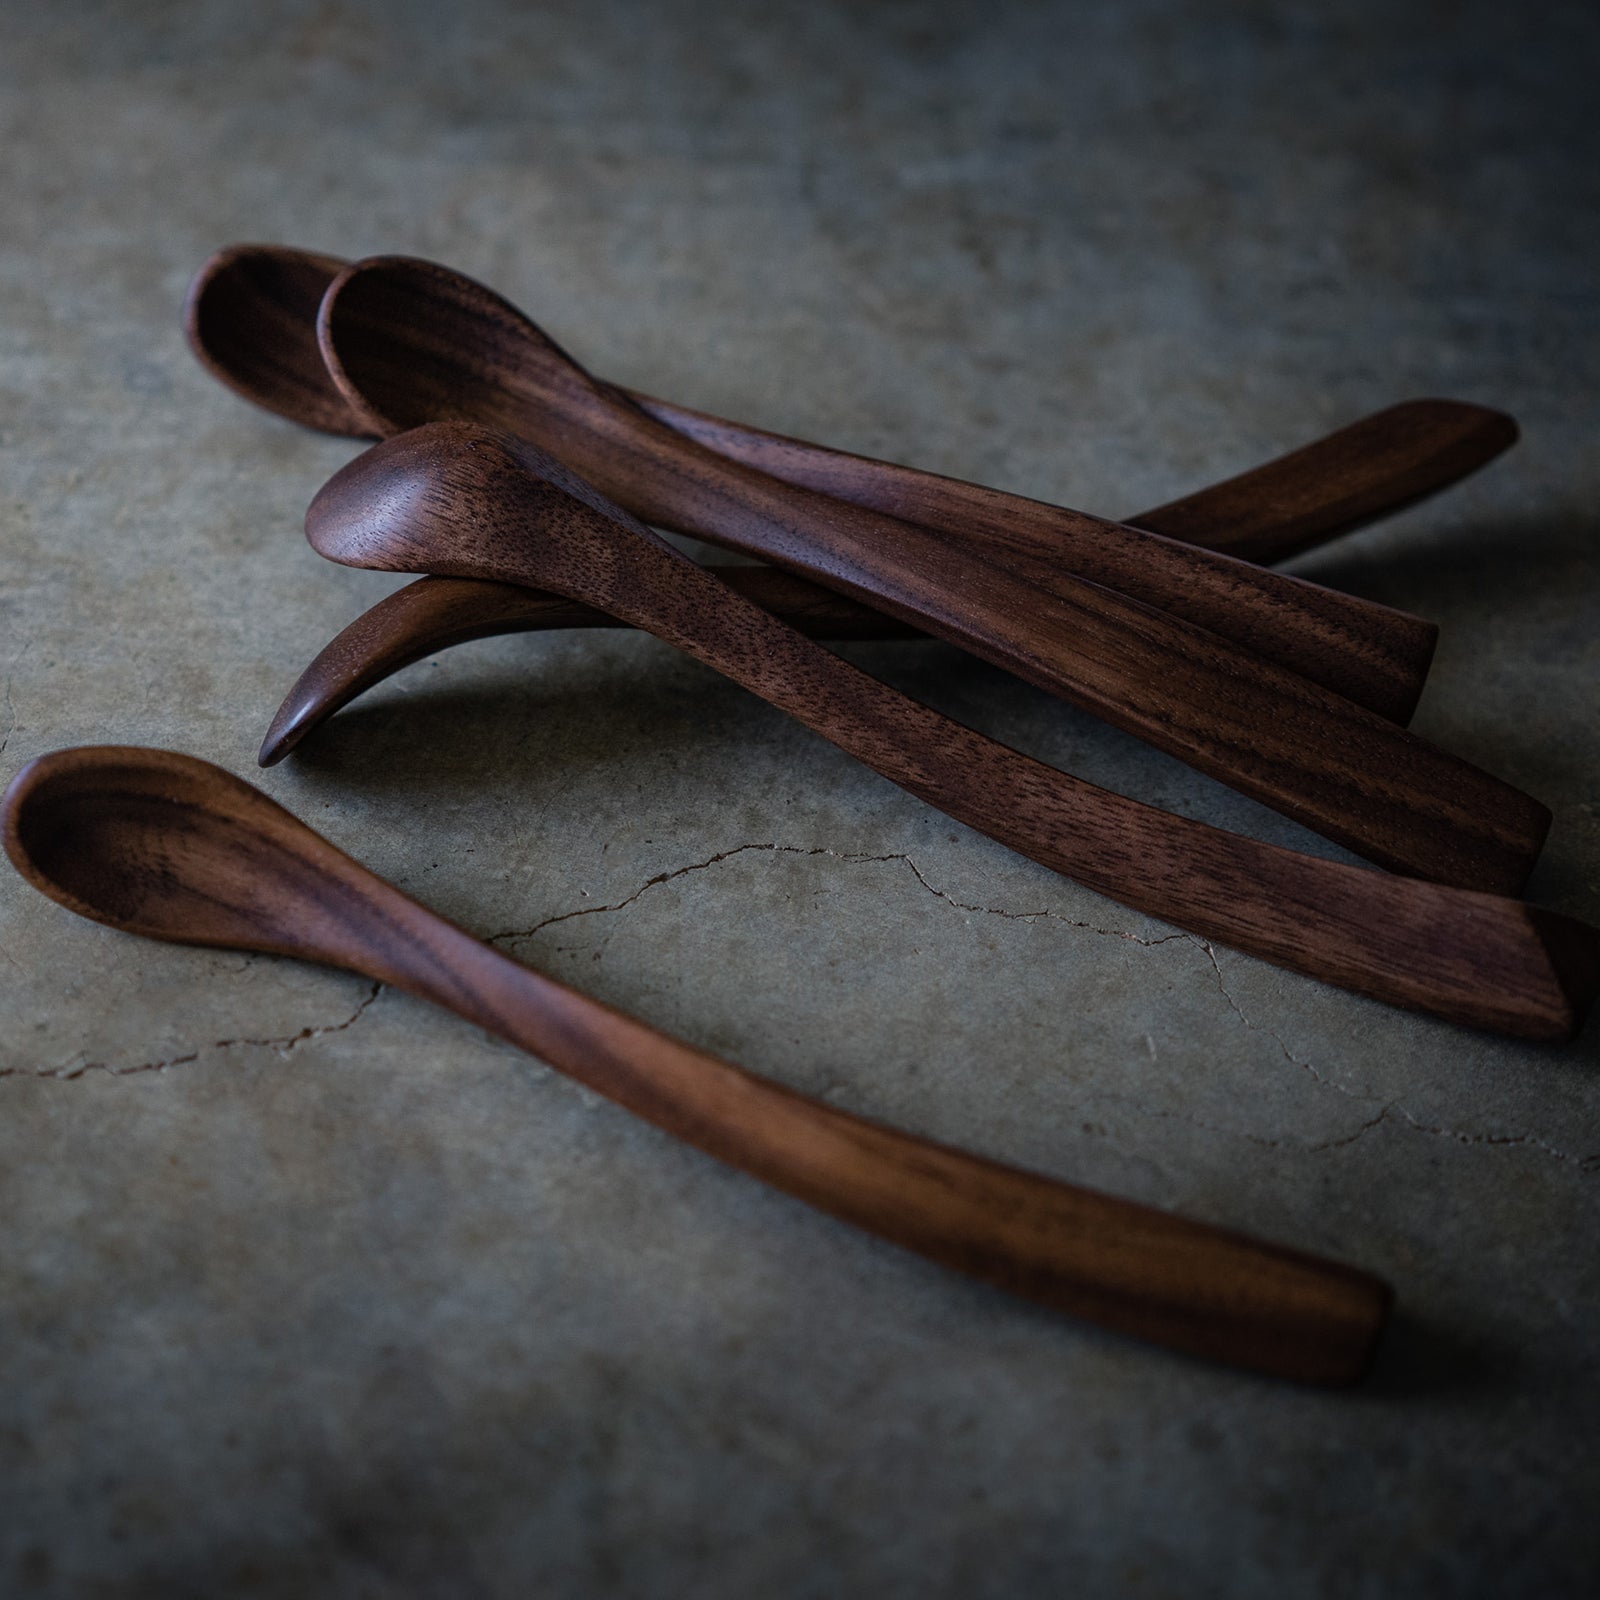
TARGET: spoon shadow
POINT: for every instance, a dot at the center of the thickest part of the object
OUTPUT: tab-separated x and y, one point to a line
1469	573
1421	1358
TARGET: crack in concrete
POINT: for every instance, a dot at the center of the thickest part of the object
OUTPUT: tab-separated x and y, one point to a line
1276	1037
283	1045
1387	1110
1390	1108
1385	1113
11	705
848	856
1461	1136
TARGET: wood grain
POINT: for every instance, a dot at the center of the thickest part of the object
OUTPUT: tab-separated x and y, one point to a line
173	848
468	502
250	319
1371	654
433	614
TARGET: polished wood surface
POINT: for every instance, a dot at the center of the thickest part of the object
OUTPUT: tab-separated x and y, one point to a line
465	501
173	848
250	317
1371	654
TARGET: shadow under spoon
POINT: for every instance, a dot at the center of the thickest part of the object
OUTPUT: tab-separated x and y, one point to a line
173	848
411	340
468	502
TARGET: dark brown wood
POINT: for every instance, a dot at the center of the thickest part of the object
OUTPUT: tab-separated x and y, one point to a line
1376	656
434	613
173	848
409	342
1346	480
419	341
469	502
249	319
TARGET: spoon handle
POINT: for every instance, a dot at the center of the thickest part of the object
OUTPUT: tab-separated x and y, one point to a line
1337	768
1369	653
433	614
1470	957
1338	483
1125	1266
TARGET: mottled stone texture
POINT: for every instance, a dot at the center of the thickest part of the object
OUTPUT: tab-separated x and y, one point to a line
310	1290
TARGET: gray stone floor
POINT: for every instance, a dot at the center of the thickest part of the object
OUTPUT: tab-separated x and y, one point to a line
306	1290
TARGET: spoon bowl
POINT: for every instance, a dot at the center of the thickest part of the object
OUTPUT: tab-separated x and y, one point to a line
251	321
161	844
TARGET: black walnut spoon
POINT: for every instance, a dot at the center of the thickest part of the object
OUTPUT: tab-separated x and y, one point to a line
251	312
250	318
173	848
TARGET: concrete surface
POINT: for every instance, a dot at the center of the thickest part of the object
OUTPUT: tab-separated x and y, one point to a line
311	1290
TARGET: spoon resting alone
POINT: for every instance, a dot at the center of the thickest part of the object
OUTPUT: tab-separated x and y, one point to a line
250	318
170	847
411	340
468	502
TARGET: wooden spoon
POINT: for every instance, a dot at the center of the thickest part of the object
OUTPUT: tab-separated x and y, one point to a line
251	313
467	502
418	341
174	848
435	613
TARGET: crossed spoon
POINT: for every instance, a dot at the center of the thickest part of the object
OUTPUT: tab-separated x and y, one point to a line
173	848
469	502
250	317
